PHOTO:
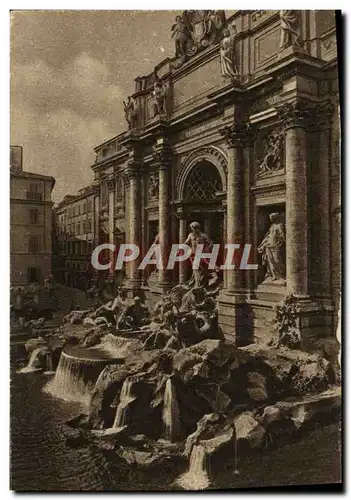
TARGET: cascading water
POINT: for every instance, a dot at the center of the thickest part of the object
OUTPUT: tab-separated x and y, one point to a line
34	363
49	364
77	373
126	397
197	476
170	413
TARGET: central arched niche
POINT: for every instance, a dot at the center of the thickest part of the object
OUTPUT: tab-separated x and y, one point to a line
209	162
202	183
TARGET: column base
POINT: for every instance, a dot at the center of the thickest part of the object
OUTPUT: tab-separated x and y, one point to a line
165	286
316	321
270	291
235	317
133	286
290	50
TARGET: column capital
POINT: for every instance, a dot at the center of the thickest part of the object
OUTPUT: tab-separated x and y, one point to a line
131	170
111	184
296	114
181	213
237	135
162	156
323	115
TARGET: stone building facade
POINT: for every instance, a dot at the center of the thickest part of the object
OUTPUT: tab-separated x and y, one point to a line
242	123
74	238
30	223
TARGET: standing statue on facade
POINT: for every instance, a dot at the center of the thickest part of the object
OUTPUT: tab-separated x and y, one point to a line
290	29
131	112
181	31
215	21
194	30
200	276
272	250
159	94
227	52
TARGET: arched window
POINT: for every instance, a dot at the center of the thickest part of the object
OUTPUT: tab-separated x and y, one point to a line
203	183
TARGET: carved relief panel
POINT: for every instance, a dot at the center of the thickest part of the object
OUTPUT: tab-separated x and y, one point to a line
104	195
153	187
269	153
119	195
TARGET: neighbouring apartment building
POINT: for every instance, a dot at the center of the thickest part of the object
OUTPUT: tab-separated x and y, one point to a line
74	238
30	222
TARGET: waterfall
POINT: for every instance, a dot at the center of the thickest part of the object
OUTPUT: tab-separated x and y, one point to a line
170	413
197	476
76	374
33	364
125	398
49	364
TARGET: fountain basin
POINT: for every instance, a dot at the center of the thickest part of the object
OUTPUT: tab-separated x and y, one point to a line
77	372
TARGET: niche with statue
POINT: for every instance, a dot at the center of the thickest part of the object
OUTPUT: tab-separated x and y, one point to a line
271	241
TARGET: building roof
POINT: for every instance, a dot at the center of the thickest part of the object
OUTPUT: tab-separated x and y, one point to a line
32	175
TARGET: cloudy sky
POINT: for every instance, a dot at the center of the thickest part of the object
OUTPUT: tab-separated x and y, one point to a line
70	71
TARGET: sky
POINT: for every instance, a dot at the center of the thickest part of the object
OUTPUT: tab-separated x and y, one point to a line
70	72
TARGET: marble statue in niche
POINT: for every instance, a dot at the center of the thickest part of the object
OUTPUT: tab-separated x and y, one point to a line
227	53
272	250
290	29
273	160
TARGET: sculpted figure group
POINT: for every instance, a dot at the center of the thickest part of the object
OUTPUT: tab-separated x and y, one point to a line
195	29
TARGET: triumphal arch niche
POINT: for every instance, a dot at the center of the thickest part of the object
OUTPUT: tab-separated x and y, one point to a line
239	131
201	186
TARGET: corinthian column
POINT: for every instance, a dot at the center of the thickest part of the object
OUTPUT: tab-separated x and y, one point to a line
132	176
111	220
182	238
236	138
295	120
162	156
322	209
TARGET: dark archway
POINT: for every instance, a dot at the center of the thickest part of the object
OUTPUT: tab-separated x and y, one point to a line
203	183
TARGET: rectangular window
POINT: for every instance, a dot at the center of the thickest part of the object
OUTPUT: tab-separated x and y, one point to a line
34	274
34	193
33	215
34	244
